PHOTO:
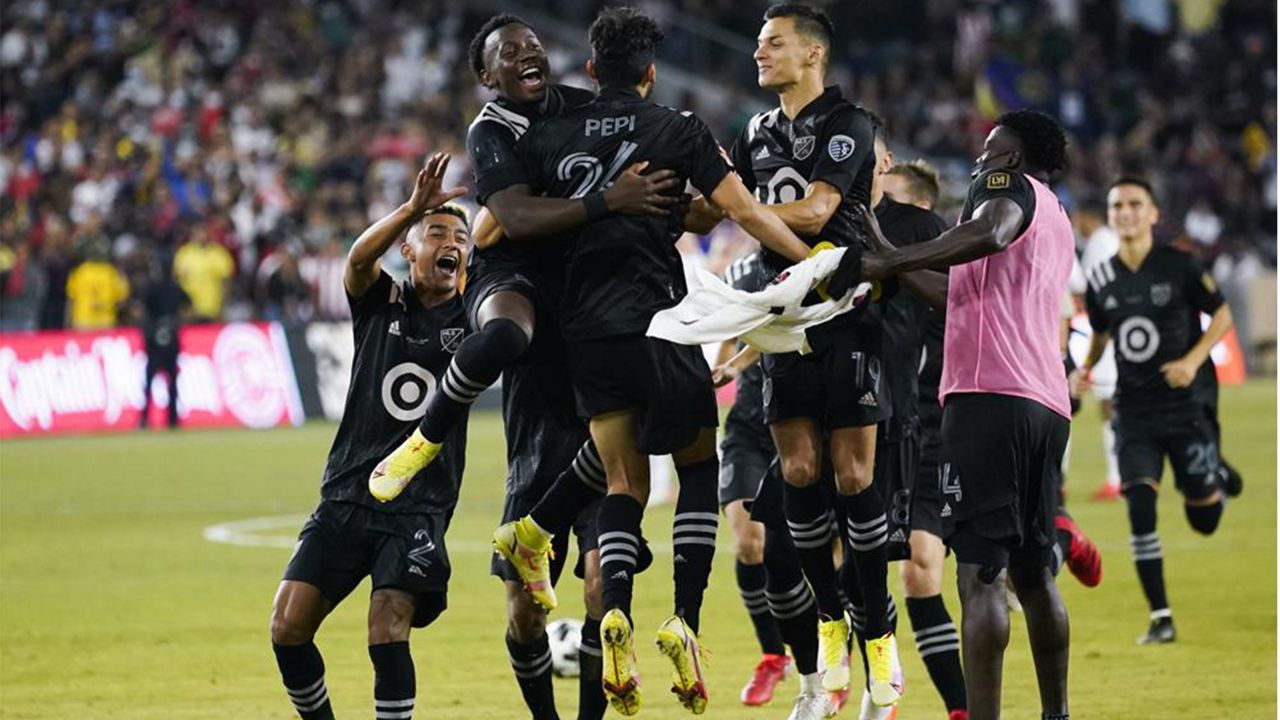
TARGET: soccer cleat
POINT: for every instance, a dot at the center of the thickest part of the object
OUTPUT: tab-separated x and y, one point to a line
528	549
680	645
811	706
836	700
958	715
1160	632
620	681
771	670
391	476
871	711
1106	492
833	651
1083	559
881	654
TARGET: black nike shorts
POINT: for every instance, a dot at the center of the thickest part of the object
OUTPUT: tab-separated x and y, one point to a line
1192	449
840	385
343	543
1007	454
668	386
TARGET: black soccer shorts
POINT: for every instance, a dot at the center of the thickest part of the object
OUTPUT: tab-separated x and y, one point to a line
896	474
342	543
1192	449
1007	453
667	385
745	454
840	386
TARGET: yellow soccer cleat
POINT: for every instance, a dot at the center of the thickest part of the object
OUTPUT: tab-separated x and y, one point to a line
620	680
680	645
833	649
396	470
528	548
881	653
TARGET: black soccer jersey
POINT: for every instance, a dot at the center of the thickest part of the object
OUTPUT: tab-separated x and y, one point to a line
830	140
1153	317
747	413
622	269
904	317
993	184
401	351
491	144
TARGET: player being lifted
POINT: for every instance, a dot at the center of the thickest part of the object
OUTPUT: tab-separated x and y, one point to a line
1149	299
405	335
811	161
643	396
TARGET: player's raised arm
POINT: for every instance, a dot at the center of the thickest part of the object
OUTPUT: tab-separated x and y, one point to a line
364	262
732	197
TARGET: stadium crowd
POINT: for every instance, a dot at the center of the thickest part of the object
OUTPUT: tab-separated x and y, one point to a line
245	145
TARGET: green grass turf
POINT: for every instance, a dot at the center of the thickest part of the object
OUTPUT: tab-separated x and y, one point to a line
113	605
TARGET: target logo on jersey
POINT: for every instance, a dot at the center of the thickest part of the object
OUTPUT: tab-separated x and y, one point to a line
1138	339
406	389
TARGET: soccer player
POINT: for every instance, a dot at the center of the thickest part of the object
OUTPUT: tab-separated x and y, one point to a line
912	183
1006	412
746	452
405	335
643	396
811	160
1149	299
910	478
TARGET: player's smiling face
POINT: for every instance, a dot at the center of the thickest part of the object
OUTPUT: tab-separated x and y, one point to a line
1131	212
436	250
515	64
781	54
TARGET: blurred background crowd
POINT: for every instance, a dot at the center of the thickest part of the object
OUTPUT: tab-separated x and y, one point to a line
241	146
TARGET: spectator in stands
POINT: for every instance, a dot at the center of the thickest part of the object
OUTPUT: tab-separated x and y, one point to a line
95	290
23	284
204	268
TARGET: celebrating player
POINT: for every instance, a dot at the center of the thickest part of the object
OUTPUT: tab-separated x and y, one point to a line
1006	412
810	160
405	335
1149	299
642	396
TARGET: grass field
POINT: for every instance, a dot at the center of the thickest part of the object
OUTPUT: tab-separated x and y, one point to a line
113	604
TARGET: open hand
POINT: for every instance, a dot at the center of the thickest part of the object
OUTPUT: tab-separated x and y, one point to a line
428	192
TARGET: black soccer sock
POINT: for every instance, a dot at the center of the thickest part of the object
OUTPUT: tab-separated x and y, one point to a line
531	663
477	364
938	643
591	700
751	586
1204	519
810	521
1145	544
302	670
575	488
868	534
693	536
394	685
790	601
619	526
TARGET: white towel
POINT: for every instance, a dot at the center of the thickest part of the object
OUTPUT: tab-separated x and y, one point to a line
771	320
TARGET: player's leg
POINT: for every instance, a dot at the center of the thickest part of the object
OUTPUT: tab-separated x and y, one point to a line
148	376
693	533
1141	463
1048	630
749	570
504	326
591	701
793	607
980	578
936	636
296	614
529	651
1193	456
171	374
391	615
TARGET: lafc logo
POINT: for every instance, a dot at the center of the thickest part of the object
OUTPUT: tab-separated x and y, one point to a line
997	181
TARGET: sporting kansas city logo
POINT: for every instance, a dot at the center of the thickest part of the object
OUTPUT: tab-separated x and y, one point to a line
841	147
450	339
802	147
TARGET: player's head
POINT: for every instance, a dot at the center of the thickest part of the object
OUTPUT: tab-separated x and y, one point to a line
436	249
1025	141
1131	208
623	44
794	41
507	57
913	183
884	156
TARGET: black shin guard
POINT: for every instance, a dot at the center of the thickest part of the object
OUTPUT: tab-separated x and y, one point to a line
479	361
693	536
394	683
591	701
868	534
752	580
938	643
1145	544
619	525
1204	519
790	601
302	670
576	488
531	663
810	521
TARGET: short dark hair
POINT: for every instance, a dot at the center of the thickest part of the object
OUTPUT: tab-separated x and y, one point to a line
922	179
475	51
1138	181
623	43
809	21
448	208
1044	144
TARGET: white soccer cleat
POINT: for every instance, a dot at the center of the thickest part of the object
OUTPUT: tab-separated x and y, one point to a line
812	705
871	711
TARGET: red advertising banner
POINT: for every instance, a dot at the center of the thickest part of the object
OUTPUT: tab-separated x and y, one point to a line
236	375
